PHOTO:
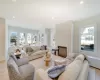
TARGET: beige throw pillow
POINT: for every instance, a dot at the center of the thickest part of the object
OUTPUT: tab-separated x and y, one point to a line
80	57
60	62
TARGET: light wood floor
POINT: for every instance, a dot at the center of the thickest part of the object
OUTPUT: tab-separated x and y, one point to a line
4	72
97	74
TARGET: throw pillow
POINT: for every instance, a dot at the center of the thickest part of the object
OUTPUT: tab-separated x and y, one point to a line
29	50
56	71
60	62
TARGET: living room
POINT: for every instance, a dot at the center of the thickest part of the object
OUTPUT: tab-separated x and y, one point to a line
49	40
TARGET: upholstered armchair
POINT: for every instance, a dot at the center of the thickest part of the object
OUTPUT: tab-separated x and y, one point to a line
20	71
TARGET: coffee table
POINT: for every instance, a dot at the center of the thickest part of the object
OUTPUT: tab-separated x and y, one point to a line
40	63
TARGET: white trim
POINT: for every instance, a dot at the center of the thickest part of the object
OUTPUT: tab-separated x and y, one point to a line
72	32
95	39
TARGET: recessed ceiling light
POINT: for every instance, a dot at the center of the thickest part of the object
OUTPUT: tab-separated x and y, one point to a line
53	18
13	0
13	17
81	2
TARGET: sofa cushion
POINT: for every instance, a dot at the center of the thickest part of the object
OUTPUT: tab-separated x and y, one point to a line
60	62
22	61
39	52
73	55
26	70
29	50
80	57
11	64
35	48
72	71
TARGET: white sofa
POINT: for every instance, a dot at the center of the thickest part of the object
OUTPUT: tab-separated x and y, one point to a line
31	52
35	53
77	70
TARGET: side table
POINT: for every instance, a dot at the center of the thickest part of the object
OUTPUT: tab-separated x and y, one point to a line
55	51
47	62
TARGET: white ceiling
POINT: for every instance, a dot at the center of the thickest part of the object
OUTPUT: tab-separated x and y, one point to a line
48	12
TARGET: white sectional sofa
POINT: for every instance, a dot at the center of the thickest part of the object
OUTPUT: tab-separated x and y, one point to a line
77	70
32	52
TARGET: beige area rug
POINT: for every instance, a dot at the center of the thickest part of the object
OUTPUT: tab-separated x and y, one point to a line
91	74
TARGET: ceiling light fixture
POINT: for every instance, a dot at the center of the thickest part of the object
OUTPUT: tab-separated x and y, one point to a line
13	0
81	2
13	17
52	17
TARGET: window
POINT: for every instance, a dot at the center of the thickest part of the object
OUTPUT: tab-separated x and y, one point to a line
13	38
29	38
22	38
87	38
34	38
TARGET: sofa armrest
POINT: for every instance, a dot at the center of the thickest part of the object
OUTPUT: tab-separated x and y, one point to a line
84	72
22	61
42	75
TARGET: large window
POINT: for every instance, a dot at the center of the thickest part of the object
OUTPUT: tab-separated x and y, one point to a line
87	38
34	38
22	38
29	38
13	38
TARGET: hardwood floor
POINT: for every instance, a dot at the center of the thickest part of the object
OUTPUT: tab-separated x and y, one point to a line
97	76
4	72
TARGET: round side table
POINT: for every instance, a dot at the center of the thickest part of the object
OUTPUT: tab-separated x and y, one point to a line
47	62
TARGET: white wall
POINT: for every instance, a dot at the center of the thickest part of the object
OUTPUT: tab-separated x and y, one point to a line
2	39
27	26
63	35
48	36
82	23
52	37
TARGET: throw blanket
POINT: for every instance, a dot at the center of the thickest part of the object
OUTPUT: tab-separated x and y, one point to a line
56	71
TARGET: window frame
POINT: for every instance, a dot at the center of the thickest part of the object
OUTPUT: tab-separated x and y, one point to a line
30	38
20	42
95	39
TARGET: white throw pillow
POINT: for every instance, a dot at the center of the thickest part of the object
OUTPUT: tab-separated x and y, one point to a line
73	55
60	62
80	57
